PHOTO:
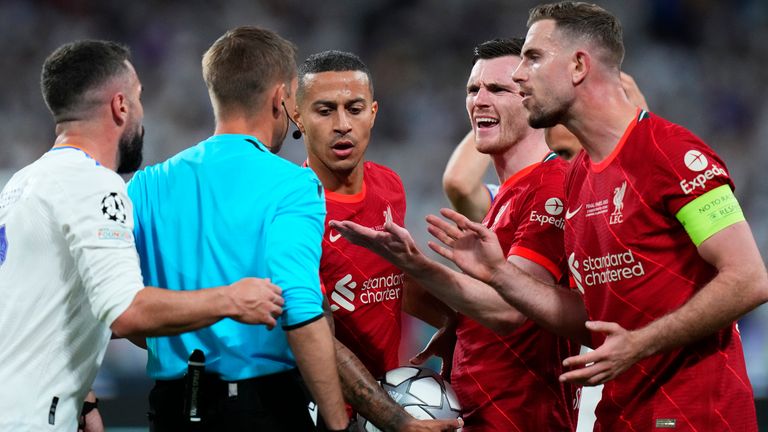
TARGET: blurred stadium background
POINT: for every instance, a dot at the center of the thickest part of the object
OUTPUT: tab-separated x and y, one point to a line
700	63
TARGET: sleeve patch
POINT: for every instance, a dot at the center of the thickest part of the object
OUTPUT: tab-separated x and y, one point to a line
710	213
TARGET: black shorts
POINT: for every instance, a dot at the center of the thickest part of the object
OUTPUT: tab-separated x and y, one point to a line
275	402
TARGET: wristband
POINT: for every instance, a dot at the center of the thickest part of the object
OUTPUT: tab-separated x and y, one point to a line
89	406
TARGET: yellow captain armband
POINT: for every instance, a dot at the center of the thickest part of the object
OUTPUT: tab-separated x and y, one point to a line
710	213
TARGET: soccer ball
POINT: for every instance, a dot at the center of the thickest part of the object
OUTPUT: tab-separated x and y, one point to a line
421	392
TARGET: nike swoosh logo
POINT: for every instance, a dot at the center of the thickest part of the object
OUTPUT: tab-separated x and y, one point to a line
569	214
333	238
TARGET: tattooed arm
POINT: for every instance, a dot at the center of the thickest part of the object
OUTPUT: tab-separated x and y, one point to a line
367	397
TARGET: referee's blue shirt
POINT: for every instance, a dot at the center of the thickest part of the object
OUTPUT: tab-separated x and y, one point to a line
213	214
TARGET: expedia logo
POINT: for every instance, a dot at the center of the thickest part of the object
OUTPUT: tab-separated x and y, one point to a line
608	268
374	290
697	162
554	207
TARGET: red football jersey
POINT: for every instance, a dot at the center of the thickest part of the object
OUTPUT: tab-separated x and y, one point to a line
510	382
364	290
635	263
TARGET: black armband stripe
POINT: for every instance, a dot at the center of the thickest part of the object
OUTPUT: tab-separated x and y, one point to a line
303	323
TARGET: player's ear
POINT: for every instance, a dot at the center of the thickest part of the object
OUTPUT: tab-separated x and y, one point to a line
278	95
297	120
119	108
580	66
374	110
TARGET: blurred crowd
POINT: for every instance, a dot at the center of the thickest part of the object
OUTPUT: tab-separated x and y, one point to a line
700	63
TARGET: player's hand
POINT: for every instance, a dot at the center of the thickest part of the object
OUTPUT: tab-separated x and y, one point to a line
471	246
618	353
633	91
257	301
91	421
442	344
394	244
432	425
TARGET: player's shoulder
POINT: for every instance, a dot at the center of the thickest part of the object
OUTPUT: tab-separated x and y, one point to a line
549	174
668	137
380	174
380	171
73	170
669	145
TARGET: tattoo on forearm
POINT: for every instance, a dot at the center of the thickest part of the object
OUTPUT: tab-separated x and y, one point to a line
365	395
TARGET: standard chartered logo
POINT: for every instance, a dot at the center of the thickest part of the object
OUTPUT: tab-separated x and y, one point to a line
374	290
616	267
573	264
342	294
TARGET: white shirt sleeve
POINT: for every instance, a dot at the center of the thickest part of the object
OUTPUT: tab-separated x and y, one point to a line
95	215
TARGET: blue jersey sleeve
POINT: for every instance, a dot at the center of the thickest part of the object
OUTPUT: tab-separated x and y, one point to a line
293	246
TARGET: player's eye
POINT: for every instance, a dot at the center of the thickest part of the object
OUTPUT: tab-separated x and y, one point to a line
355	110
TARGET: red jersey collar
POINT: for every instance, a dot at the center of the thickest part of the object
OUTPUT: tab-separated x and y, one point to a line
343	198
600	166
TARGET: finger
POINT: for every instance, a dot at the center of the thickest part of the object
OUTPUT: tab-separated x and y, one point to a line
350	227
440	235
450	425
445	226
478	229
279	301
397	230
444	251
603	326
583	359
457	218
276	311
420	358
581	376
598	379
270	322
275	289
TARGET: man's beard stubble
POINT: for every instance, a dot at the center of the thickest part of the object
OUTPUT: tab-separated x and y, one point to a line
129	152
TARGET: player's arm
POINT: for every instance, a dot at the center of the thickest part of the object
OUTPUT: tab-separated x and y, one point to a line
741	285
156	311
463	180
293	243
90	419
459	291
95	217
475	249
367	397
419	303
312	345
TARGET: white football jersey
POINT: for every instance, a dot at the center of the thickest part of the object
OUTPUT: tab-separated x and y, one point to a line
68	269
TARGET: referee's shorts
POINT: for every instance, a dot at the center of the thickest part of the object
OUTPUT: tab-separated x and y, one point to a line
276	402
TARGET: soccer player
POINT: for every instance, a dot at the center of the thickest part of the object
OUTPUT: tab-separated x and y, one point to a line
655	238
229	207
505	368
68	267
463	175
335	112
